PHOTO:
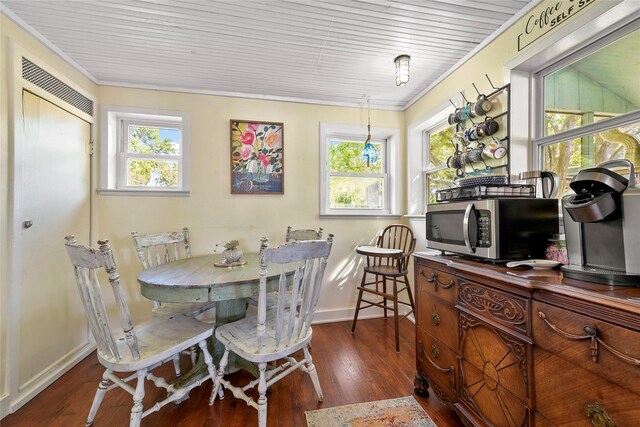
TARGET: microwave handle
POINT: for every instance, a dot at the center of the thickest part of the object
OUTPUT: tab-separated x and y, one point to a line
465	227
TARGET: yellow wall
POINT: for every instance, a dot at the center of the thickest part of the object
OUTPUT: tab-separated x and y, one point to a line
213	215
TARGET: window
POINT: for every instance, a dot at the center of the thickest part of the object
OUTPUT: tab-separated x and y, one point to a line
438	149
145	151
591	108
350	186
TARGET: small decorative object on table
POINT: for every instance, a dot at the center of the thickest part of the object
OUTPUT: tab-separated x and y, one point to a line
231	256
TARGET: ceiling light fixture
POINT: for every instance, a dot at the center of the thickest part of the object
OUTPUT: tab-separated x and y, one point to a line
402	69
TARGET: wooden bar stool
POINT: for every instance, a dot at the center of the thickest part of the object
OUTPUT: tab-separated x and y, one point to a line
388	260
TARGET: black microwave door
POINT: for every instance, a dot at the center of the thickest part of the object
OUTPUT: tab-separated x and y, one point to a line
446	227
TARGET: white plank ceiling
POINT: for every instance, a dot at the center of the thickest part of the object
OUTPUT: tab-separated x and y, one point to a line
325	51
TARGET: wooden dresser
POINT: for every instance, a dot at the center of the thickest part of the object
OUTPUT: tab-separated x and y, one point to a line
519	347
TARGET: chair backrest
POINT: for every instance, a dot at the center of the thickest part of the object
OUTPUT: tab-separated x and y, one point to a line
159	248
291	321
398	236
301	235
86	261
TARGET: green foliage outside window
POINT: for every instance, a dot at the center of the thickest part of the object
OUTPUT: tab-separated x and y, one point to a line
439	176
158	173
357	190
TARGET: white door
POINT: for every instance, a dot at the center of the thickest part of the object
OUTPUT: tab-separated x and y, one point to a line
55	195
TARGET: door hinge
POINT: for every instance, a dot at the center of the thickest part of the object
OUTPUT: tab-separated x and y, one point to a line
91	147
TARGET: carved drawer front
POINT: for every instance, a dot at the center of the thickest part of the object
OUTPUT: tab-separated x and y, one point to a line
502	359
439	319
568	395
481	391
437	283
497	306
438	363
610	351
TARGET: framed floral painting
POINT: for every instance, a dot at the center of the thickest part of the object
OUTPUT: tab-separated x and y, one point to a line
257	157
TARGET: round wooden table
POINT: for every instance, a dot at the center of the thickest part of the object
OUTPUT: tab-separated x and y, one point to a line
197	279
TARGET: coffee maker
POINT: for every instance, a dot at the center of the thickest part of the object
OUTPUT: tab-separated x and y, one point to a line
602	226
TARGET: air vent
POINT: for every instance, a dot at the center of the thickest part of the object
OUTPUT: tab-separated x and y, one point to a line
39	77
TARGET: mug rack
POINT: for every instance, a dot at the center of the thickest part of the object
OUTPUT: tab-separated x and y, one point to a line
482	142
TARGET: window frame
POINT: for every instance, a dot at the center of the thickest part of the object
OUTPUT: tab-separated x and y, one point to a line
441	125
114	149
538	140
390	138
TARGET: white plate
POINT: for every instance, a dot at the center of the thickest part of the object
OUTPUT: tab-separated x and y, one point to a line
537	264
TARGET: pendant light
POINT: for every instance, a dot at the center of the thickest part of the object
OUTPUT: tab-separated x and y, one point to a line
369	153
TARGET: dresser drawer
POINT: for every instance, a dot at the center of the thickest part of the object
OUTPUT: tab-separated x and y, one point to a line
439	319
607	350
438	363
494	305
482	391
566	394
437	283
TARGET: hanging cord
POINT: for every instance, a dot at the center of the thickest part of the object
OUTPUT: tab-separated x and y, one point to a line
369	151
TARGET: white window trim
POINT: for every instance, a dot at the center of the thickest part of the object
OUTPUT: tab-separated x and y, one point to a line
417	153
111	154
539	141
342	131
601	20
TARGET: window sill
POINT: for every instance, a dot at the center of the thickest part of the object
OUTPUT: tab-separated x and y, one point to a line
359	216
153	193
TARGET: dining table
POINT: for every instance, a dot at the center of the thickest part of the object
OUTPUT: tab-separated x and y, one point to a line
206	278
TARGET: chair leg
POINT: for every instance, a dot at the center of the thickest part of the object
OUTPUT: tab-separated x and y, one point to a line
406	282
262	400
384	290
311	370
176	364
355	316
210	366
194	355
218	379
97	400
395	313
138	395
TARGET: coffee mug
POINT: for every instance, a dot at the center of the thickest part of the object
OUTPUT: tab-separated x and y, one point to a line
474	155
494	150
456	161
472	134
488	127
482	106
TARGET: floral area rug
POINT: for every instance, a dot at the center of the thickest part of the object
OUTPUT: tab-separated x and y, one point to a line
401	412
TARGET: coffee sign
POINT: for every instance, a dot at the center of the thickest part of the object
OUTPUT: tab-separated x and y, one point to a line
549	17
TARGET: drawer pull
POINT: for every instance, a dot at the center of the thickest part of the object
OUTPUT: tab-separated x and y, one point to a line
449	370
598	416
591	333
435	319
434	351
434	279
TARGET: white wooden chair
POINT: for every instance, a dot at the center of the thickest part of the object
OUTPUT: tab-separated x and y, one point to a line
159	248
302	235
276	334
291	236
137	349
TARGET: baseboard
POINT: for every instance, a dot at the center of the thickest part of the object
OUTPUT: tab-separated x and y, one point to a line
48	376
346	314
4	406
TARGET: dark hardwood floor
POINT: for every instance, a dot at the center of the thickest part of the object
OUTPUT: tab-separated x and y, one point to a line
352	369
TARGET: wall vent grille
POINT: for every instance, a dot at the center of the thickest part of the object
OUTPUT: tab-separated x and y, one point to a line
36	75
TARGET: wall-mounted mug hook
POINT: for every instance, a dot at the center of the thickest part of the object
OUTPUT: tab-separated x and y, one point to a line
465	98
490	82
474	86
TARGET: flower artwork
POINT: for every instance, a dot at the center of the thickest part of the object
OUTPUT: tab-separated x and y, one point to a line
257	157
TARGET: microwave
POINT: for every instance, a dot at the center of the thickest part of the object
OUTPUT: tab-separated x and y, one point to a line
494	229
